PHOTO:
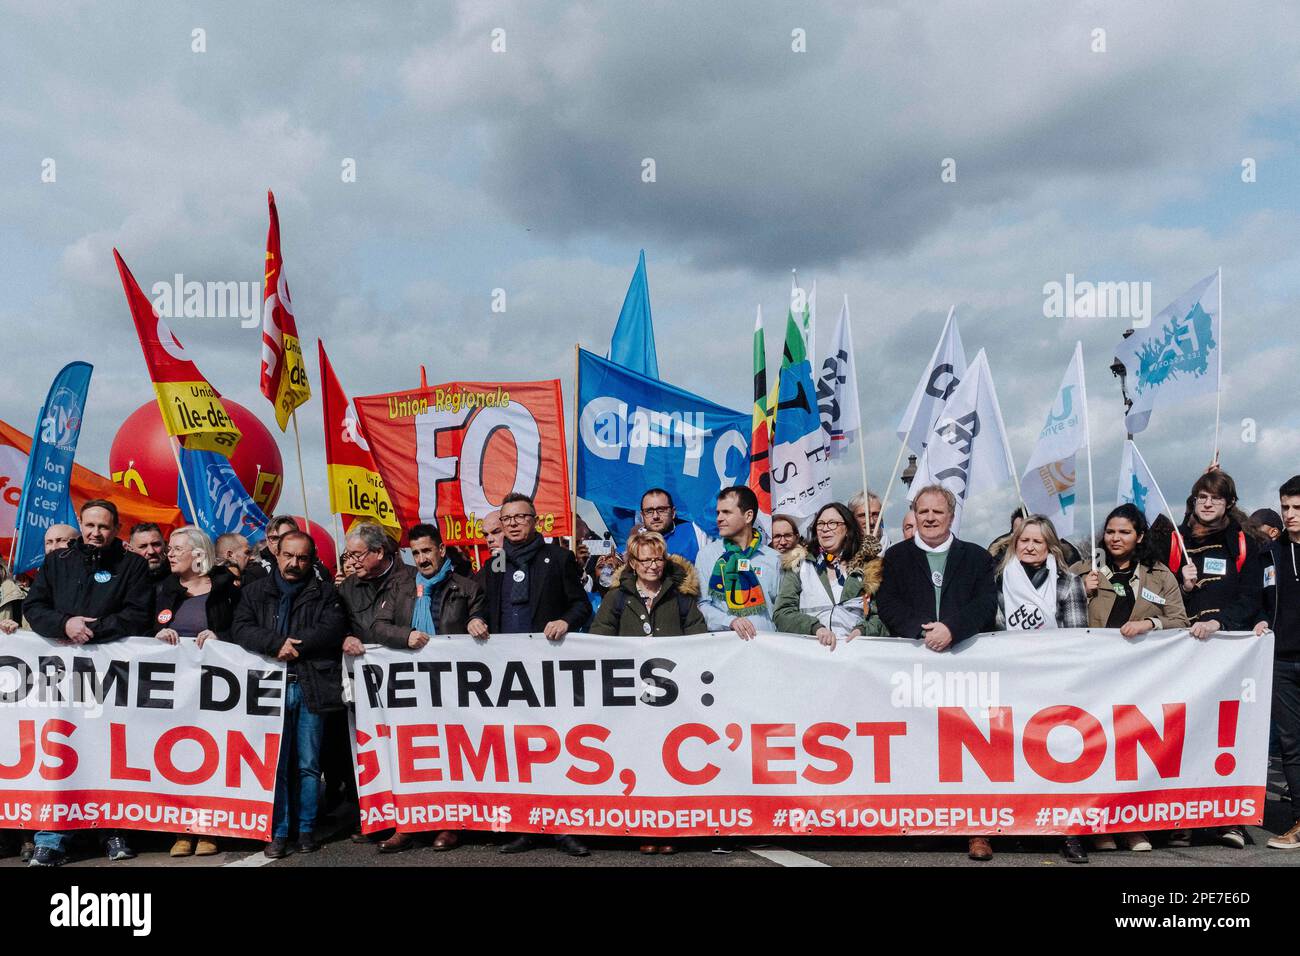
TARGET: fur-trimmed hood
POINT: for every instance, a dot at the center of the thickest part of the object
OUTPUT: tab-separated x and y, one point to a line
679	572
867	563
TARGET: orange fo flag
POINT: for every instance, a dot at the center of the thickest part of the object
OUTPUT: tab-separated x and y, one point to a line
284	372
191	408
356	488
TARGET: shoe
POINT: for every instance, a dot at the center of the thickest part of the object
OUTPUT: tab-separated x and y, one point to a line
446	840
1287	841
397	843
47	856
307	842
1234	837
571	845
1073	850
206	847
649	849
520	844
184	846
118	849
363	838
1137	842
277	849
667	848
29	848
722	849
979	848
1104	843
1178	838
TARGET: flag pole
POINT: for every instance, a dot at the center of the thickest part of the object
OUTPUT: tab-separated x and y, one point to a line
176	456
573	464
857	394
1218	390
302	478
1087	444
884	500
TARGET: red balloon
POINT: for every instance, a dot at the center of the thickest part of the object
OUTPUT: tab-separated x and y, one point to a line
141	456
326	546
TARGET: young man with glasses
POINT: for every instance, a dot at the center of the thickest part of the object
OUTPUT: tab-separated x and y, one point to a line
684	538
536	588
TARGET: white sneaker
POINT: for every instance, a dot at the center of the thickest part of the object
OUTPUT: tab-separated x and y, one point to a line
1137	842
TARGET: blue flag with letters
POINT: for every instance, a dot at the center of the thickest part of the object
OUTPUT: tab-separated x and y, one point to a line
636	433
633	344
223	504
47	488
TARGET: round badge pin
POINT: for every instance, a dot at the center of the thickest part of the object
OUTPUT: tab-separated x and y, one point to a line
519	576
937	578
647	628
164	615
102	577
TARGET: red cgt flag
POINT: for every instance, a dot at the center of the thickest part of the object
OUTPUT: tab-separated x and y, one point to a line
284	373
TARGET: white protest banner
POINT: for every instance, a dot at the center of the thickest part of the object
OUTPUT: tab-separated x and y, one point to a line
138	735
1055	732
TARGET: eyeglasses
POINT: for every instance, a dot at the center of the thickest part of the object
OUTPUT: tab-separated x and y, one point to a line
828	525
1204	499
517	519
650	562
784	536
656	512
355	555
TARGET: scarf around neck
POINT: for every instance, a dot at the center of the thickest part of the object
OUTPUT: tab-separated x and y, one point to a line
288	591
422	616
938	549
1028	607
734	578
520	558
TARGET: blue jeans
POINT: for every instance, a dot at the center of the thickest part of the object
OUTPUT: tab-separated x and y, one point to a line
53	839
300	748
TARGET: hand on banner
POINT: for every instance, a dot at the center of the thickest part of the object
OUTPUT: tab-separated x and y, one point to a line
937	635
555	630
477	628
1188	572
416	641
352	646
1261	628
744	628
826	637
856	632
1136	628
1091	582
288	651
1201	630
78	629
205	635
8	627
168	636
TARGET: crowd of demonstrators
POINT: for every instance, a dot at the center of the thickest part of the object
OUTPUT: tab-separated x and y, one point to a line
828	589
785	534
739	574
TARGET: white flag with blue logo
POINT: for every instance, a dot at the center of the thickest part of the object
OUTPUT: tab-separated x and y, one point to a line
1179	355
1049	479
1137	486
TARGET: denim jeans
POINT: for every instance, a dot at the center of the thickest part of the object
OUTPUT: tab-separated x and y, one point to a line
53	839
1286	717
299	749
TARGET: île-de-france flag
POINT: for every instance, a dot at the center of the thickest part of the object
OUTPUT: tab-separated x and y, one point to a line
966	450
636	433
191	408
284	373
801	478
356	487
1177	356
450	453
1049	480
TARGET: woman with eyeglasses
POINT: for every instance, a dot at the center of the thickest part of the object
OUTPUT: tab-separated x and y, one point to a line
785	534
1222	579
659	598
827	588
197	600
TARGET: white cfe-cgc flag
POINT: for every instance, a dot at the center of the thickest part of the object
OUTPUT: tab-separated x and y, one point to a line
943	374
837	388
1048	484
966	450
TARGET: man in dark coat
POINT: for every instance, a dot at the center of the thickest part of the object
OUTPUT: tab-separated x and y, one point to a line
296	617
92	591
531	586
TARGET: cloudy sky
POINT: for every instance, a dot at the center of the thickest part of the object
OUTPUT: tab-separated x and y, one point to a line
521	170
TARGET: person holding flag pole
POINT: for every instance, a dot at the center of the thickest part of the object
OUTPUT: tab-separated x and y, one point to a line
284	378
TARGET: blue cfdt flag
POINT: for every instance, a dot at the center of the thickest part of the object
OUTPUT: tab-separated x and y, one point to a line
633	344
47	489
223	504
636	433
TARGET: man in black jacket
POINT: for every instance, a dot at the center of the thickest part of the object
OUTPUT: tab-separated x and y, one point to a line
531	586
295	617
1282	589
94	590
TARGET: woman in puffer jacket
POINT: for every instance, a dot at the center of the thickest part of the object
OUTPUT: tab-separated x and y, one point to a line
827	589
656	594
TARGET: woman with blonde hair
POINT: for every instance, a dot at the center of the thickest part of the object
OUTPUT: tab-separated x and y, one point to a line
197	600
1036	590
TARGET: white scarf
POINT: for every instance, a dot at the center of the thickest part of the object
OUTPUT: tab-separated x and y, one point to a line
1025	607
937	549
